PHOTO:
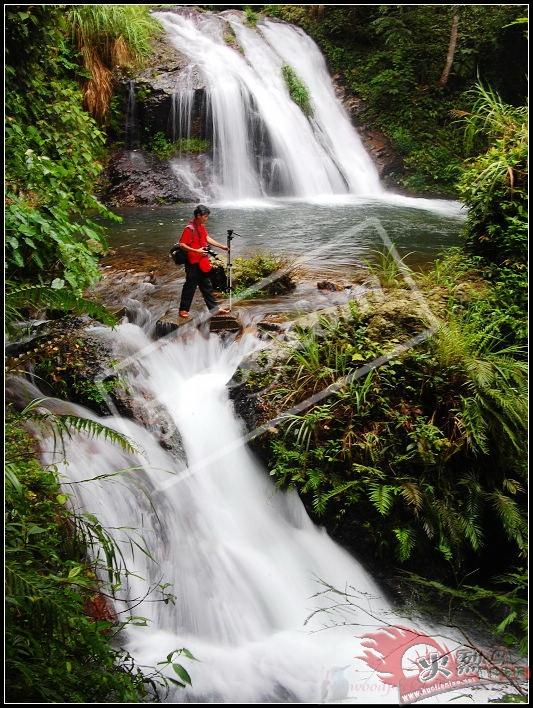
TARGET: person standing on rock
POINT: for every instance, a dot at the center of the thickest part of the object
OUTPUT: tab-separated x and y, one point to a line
194	241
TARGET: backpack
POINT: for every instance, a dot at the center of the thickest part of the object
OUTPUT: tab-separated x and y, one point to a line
178	255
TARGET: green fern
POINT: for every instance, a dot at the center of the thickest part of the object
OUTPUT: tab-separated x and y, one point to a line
60	426
320	500
23	296
382	496
406	542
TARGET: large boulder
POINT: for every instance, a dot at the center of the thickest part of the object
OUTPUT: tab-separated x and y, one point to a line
137	177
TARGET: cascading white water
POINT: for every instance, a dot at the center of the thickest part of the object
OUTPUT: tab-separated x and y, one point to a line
242	558
182	104
263	144
131	128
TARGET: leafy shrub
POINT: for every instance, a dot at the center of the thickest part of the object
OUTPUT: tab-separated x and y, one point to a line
494	184
250	16
53	151
425	456
298	91
164	149
249	272
56	651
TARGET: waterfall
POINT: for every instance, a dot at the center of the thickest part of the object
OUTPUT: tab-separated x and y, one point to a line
131	127
182	105
247	567
263	144
243	559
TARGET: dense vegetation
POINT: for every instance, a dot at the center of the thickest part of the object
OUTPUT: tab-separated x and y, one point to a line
58	626
297	89
424	458
393	56
54	148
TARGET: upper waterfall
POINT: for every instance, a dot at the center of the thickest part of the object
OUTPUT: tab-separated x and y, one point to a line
263	143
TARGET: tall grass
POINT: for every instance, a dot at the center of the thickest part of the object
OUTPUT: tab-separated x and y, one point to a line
491	118
109	36
388	267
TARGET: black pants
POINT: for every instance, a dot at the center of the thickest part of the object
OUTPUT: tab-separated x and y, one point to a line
196	278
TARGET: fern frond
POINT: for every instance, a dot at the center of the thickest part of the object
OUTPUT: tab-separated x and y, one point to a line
382	496
45	296
406	542
64	425
412	494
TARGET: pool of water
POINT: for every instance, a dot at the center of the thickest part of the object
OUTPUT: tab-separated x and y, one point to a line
327	237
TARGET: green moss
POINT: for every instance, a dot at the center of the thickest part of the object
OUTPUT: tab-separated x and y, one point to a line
298	91
230	38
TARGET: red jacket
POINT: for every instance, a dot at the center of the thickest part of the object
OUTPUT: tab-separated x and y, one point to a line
195	236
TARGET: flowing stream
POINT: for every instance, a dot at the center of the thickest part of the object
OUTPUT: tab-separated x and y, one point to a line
246	564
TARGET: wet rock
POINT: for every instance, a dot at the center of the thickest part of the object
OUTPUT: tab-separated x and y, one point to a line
137	177
270	326
167	324
71	363
281	286
328	285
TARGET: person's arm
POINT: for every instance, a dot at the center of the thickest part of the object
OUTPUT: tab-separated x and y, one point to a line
184	242
186	247
212	242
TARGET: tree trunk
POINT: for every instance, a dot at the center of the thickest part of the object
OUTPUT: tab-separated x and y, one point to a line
451	52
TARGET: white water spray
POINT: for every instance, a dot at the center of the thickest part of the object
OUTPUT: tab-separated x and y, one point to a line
243	558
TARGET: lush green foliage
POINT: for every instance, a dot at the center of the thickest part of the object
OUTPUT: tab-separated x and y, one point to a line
392	57
102	25
507	599
250	16
164	149
58	622
37	298
297	89
494	184
107	37
424	458
407	447
249	274
53	150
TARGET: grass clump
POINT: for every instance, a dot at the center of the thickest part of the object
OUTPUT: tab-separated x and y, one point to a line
249	272
250	16
108	36
165	149
230	38
298	91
